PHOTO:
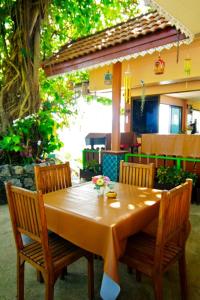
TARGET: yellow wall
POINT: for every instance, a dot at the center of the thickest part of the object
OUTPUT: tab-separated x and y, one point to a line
164	99
141	68
173	80
195	104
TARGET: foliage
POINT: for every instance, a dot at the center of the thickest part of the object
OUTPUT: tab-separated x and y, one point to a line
57	93
99	99
65	21
31	138
93	165
71	19
171	176
22	24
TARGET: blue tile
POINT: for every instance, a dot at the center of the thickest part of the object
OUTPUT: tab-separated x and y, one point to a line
111	163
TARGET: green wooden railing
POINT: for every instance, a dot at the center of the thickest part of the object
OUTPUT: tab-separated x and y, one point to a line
177	159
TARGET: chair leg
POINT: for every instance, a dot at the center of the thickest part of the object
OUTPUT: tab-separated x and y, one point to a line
49	288
158	287
183	277
138	276
39	277
20	278
63	273
90	277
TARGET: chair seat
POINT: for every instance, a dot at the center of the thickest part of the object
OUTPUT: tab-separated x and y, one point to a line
140	252
62	251
49	254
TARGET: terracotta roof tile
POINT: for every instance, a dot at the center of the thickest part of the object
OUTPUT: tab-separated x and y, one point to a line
124	32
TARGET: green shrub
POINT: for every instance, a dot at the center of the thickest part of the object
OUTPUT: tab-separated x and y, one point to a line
93	165
172	176
31	139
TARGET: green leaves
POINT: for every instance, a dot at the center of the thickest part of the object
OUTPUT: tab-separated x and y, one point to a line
65	21
31	138
71	19
172	176
11	143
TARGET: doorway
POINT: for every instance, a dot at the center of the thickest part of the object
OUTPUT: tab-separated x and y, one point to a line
170	119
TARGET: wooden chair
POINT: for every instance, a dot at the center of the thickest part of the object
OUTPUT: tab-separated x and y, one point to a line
137	174
154	255
52	178
47	253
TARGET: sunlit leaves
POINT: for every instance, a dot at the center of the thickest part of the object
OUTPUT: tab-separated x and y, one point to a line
71	19
65	20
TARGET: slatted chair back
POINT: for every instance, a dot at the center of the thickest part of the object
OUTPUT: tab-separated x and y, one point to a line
28	217
173	218
52	178
137	174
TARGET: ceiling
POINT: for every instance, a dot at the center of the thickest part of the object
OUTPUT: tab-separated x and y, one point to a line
186	12
194	95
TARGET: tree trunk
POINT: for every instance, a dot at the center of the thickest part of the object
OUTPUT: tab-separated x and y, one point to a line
20	94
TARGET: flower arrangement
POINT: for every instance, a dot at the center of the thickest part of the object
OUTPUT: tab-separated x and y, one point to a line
100	181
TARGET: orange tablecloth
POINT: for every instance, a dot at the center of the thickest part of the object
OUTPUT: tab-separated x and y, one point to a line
184	145
100	225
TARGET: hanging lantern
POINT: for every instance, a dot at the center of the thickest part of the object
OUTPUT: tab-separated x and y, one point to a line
127	87
159	66
108	78
70	85
187	66
85	88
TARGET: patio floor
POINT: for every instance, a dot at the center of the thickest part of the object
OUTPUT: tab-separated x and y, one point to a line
74	287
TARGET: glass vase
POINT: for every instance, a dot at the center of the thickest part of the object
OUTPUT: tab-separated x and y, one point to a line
100	191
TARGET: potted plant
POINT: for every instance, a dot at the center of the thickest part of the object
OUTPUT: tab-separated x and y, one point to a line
92	168
169	177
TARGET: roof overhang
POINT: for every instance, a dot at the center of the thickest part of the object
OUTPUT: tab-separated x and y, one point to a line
184	15
138	47
136	37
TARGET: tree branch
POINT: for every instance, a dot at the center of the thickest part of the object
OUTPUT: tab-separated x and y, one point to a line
33	21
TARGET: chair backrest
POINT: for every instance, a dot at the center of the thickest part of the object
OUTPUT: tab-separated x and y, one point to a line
137	174
28	217
173	218
52	178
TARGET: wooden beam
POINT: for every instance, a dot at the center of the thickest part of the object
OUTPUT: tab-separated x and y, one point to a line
116	99
162	37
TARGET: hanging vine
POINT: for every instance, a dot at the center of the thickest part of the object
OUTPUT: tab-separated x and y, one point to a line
20	32
19	94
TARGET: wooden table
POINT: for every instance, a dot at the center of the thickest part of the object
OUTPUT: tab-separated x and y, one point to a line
101	225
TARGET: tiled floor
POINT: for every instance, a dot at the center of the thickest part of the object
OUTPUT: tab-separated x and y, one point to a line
74	287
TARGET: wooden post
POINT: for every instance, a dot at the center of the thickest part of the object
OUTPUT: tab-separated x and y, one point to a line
184	118
116	98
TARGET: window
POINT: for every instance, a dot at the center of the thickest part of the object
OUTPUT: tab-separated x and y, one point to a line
170	119
146	120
